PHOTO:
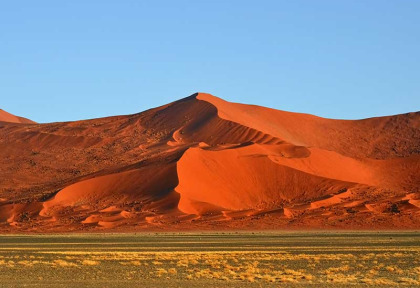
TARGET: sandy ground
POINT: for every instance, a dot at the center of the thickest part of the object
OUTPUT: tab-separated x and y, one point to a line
288	259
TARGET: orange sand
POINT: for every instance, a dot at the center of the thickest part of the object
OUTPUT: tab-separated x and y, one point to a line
7	117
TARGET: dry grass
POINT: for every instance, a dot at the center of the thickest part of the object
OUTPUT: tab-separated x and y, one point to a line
269	266
90	263
241	266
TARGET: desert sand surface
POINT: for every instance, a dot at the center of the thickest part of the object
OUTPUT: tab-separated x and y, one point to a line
202	163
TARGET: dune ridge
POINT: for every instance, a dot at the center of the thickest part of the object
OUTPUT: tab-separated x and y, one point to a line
202	163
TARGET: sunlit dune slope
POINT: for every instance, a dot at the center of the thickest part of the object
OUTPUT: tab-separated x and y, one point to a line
7	117
203	163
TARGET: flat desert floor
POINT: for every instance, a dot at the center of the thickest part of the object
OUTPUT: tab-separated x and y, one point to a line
288	259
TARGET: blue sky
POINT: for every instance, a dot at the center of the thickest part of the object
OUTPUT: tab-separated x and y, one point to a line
70	60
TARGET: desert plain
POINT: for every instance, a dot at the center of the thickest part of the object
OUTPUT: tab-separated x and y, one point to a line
251	259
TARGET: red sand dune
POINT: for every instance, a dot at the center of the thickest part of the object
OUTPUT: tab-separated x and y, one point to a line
202	163
7	117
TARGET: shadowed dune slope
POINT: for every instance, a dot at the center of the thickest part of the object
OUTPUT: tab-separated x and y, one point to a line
202	163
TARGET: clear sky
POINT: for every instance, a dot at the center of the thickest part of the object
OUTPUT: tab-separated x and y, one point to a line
70	60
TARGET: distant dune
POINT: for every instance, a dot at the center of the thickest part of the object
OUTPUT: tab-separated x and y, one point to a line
202	163
7	117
